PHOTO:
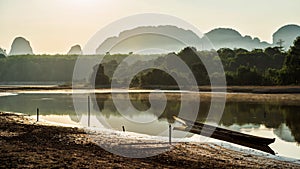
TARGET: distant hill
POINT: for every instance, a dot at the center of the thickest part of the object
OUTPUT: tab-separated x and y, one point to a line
167	38
230	38
20	46
149	37
75	50
288	34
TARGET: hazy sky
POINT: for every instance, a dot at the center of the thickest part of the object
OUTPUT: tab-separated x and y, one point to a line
53	26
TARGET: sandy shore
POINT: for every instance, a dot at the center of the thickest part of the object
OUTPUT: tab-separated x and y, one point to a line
27	144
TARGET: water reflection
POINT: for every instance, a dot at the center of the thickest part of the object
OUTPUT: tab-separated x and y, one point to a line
284	119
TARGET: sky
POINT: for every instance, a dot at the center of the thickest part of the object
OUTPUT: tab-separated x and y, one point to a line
53	26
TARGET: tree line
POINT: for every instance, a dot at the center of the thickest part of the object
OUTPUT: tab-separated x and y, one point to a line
270	66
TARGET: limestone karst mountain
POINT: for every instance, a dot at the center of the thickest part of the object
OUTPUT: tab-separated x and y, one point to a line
286	34
230	38
75	50
165	37
162	37
173	39
20	46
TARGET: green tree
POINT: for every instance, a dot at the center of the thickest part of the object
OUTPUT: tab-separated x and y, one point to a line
100	78
200	74
2	55
189	55
290	73
157	77
271	51
248	76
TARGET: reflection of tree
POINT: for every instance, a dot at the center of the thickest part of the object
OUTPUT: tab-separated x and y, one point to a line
245	113
172	109
292	121
274	116
241	113
54	104
101	79
101	98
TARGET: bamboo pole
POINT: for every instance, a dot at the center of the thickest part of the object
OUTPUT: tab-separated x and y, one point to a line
89	112
37	114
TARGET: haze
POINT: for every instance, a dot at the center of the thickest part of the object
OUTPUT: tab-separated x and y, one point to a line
53	26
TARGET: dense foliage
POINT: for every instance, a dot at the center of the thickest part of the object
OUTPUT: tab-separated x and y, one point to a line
270	66
36	68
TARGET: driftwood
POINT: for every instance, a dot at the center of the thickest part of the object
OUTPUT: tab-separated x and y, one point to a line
247	140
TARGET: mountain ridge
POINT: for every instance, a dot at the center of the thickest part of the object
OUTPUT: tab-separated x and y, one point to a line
219	37
139	38
287	34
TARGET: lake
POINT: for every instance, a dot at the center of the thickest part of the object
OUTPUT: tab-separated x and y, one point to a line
267	119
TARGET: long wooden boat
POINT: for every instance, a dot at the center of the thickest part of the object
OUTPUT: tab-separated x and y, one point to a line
255	142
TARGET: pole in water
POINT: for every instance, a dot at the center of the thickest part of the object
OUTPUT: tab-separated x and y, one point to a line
37	114
123	127
170	134
89	113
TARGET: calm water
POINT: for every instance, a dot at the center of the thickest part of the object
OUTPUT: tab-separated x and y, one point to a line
269	120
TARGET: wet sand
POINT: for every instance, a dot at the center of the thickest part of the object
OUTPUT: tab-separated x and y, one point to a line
27	144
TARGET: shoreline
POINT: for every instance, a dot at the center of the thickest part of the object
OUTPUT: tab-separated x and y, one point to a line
271	98
26	143
229	89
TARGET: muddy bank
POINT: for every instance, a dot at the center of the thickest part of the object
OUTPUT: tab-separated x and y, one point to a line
27	144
